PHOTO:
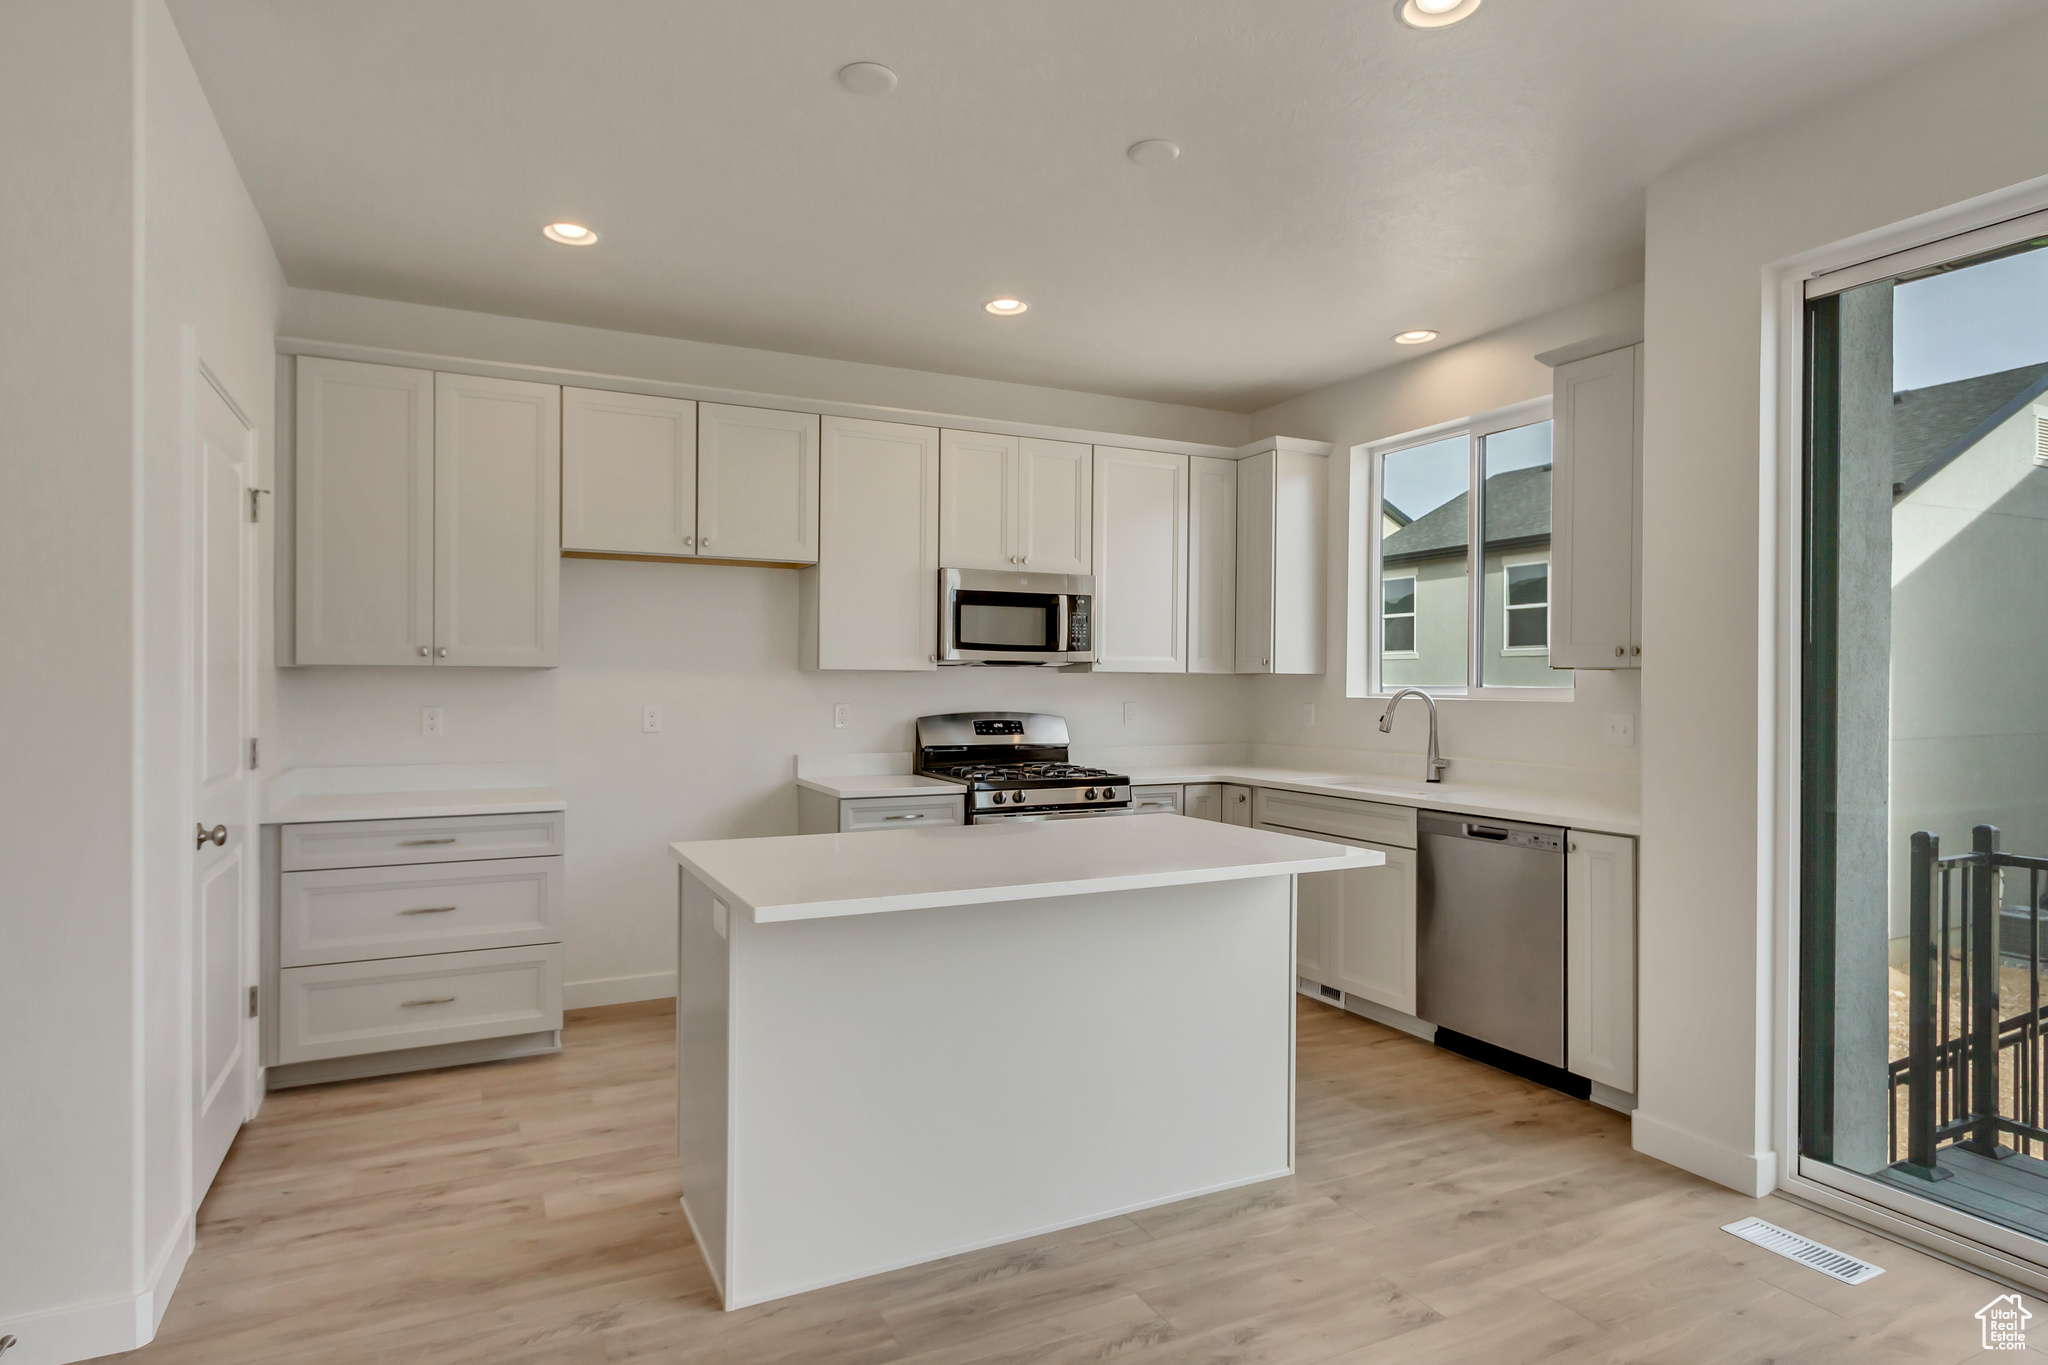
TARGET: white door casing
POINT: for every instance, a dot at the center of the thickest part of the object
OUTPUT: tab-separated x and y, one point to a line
220	515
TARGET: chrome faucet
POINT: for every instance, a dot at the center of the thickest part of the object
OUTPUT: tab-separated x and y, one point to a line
1434	762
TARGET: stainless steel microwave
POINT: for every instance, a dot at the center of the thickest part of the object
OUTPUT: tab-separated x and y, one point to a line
991	616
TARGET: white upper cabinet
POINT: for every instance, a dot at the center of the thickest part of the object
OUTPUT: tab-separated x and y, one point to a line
629	473
1011	502
977	501
757	484
871	601
1141	561
1212	565
364	514
1055	495
1596	550
497	521
1282	521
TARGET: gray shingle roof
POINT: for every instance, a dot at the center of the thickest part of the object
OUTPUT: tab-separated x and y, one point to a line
1932	426
1517	516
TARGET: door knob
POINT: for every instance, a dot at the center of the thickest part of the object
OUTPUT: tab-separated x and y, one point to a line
217	836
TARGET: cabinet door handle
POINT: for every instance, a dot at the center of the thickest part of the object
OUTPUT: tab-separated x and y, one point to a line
429	910
217	836
707	542
422	843
689	540
423	651
437	1000
919	816
442	651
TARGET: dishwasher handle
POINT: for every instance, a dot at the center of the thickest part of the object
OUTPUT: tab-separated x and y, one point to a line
1514	833
1493	832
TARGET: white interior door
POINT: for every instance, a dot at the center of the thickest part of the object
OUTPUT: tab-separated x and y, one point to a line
223	865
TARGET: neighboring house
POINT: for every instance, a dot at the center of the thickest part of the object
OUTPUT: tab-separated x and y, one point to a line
1969	618
1423	594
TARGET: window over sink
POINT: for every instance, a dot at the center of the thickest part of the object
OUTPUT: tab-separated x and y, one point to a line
1451	544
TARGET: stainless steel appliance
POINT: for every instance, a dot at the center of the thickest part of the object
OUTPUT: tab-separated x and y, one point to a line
1014	765
1489	951
988	616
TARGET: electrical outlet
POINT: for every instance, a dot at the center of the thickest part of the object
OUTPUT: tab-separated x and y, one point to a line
1308	715
1621	730
841	714
1130	713
650	720
430	720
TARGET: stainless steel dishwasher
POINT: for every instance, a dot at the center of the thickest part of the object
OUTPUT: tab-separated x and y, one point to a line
1489	952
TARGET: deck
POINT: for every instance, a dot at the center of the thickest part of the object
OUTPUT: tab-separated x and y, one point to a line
2010	1190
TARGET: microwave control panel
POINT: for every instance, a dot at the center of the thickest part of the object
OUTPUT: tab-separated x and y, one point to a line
1078	641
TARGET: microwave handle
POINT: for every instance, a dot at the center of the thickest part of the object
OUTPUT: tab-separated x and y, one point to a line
1066	605
949	646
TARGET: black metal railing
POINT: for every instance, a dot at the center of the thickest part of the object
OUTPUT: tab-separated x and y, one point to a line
1973	1072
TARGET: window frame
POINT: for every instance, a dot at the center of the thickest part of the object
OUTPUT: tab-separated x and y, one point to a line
1365	580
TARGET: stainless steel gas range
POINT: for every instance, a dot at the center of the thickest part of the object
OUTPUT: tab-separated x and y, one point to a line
1014	765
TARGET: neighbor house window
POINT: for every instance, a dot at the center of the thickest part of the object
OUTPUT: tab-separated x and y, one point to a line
1526	628
1397	618
1454	524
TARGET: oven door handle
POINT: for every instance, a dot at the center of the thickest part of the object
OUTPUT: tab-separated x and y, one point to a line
988	817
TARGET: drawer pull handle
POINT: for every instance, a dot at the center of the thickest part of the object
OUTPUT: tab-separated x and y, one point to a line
437	1000
422	843
429	910
919	816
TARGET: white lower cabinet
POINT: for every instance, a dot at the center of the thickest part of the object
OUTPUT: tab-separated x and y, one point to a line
346	1009
393	945
1356	928
1156	800
820	813
1600	958
1237	804
1202	801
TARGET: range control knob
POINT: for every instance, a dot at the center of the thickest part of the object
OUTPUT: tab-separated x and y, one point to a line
999	798
1109	793
1018	797
1088	795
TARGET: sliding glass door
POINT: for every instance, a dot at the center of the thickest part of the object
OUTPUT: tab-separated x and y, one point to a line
1924	745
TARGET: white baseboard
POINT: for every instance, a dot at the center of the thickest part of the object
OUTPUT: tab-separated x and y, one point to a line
1392	1018
616	990
87	1331
1751	1173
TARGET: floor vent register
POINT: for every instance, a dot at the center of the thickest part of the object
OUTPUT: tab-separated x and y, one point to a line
1828	1261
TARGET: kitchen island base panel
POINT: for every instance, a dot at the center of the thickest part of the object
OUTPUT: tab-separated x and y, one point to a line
864	1093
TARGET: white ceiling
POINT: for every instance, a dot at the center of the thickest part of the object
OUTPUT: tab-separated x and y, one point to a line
1344	177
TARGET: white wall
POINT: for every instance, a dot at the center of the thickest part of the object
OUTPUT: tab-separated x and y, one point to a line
715	647
123	220
1537	742
1953	128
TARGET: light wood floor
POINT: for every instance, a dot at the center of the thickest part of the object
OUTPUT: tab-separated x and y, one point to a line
1444	1212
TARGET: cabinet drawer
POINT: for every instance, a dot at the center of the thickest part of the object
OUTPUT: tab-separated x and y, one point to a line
1369	822
348	1008
899	812
1160	800
352	914
386	843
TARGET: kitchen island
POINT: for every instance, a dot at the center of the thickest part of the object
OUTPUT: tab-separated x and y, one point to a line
896	1047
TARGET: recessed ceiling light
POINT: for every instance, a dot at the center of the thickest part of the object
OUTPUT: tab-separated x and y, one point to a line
1433	13
1415	337
569	234
1153	151
867	78
1006	308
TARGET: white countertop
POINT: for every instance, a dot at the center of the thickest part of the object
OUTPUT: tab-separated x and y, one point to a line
849	786
817	876
1497	803
427	805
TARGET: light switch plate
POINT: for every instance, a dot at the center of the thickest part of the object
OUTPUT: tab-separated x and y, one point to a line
1621	730
650	720
430	720
841	714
